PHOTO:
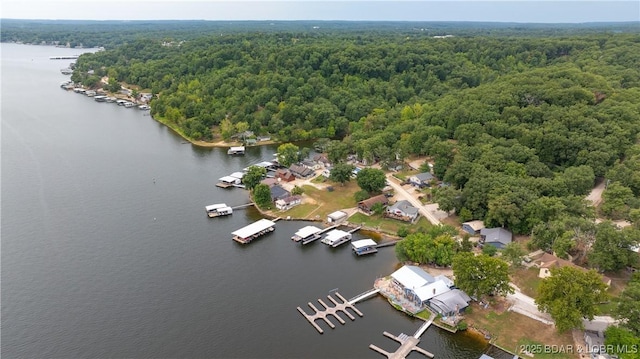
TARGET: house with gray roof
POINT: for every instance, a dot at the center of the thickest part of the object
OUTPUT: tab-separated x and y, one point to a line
277	192
301	171
497	237
450	303
402	210
421	179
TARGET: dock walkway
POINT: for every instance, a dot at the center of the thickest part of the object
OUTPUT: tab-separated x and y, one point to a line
365	295
354	230
407	345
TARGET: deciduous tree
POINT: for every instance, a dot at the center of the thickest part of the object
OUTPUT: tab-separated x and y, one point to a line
481	275
254	175
341	172
371	180
262	196
288	154
570	295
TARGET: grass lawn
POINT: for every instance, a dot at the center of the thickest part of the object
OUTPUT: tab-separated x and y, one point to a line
301	211
341	197
526	279
511	330
377	221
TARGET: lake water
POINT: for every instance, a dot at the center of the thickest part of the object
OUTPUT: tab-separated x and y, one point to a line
107	251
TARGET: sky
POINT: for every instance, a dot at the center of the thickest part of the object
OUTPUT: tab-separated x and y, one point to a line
523	11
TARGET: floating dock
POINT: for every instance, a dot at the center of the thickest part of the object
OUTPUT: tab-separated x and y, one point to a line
307	234
333	311
336	237
364	246
218	209
407	343
66	57
248	233
238	150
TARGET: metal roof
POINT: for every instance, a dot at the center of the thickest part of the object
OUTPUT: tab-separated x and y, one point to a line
430	290
412	277
215	206
307	231
254	228
363	243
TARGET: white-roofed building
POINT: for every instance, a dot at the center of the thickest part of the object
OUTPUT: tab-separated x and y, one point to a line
364	246
410	277
305	232
254	230
426	292
336	237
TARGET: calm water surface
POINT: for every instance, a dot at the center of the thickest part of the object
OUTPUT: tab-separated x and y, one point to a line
107	251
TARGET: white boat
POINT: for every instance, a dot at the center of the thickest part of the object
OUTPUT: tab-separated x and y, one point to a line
100	98
144	107
90	93
336	237
111	99
218	209
121	102
66	71
129	104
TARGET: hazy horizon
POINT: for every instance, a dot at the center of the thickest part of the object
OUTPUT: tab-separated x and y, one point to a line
541	12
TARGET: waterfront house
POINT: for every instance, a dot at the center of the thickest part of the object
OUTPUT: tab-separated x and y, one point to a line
450	303
287	203
473	227
310	164
422	290
285	175
366	206
421	179
300	171
497	237
277	192
270	182
402	210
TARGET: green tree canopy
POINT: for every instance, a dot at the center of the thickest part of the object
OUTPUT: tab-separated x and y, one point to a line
341	172
288	154
254	175
628	305
481	275
570	295
262	196
371	180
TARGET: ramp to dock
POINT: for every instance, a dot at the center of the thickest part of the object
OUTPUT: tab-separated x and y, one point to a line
364	295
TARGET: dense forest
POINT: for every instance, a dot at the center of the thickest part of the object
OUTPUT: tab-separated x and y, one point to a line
521	122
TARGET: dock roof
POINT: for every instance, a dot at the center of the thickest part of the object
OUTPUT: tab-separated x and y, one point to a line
336	234
363	243
254	228
307	231
215	206
229	179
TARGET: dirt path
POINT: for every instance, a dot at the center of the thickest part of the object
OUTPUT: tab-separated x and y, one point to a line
595	196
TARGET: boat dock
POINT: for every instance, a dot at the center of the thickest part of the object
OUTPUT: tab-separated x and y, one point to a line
243	206
307	234
365	295
238	150
387	244
248	233
333	311
218	209
336	237
354	230
407	343
66	57
310	234
364	246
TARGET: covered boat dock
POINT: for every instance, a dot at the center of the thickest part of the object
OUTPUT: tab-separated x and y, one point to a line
364	246
254	230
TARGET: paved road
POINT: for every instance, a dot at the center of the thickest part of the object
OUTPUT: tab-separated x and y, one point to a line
401	192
